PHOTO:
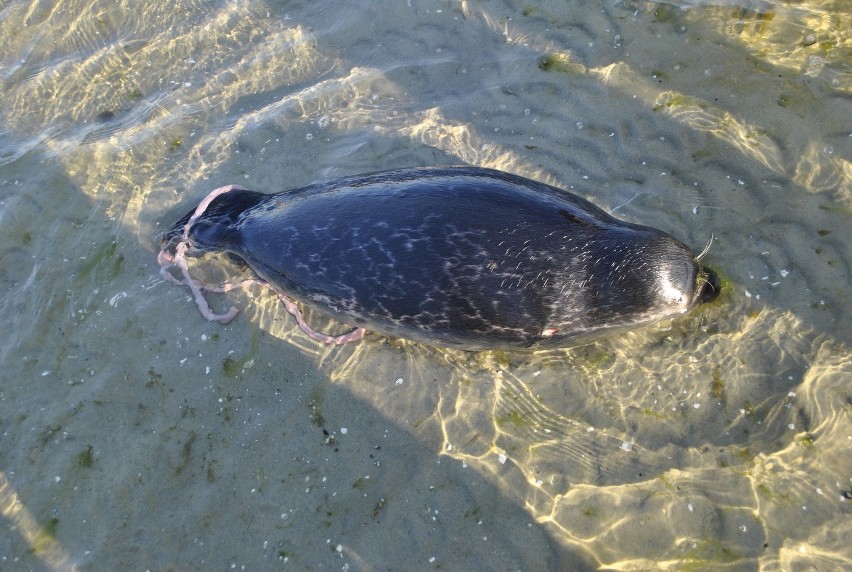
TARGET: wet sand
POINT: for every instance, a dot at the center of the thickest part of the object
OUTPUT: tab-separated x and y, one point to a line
136	435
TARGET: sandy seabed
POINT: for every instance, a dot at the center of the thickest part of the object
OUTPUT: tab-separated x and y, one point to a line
136	435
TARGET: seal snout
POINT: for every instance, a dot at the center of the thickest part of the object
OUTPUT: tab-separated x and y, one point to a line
709	285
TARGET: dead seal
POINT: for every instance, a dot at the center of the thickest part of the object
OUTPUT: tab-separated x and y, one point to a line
450	256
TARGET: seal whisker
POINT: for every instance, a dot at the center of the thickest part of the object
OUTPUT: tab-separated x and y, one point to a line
706	248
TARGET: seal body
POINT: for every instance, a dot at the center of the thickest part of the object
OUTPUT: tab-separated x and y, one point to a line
456	256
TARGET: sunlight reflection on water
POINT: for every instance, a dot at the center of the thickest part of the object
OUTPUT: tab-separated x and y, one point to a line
716	440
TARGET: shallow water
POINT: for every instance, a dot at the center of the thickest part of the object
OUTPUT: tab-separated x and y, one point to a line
134	434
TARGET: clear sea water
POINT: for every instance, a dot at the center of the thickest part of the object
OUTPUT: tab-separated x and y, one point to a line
134	435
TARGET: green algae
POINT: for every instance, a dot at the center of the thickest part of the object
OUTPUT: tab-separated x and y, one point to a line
315	403
717	385
675	101
593	358
234	367
185	453
361	483
652	413
560	63
514	418
591	512
106	261
86	458
45	540
806	440
707	553
702	153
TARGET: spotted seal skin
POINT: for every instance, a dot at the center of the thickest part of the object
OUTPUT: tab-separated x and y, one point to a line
456	256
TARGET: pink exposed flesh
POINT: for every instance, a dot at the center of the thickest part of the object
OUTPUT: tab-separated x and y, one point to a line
167	261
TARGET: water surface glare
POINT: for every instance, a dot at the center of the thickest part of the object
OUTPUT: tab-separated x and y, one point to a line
136	435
